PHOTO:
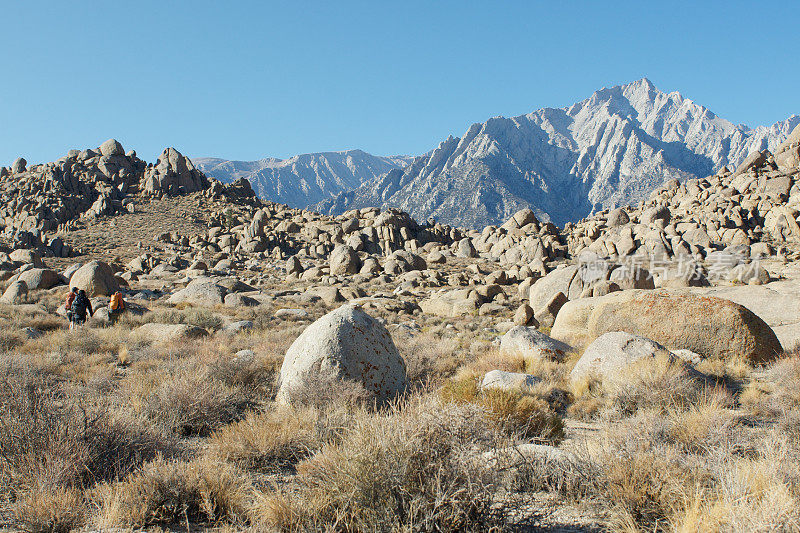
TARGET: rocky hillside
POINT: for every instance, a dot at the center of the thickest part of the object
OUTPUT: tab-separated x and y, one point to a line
609	150
303	179
42	202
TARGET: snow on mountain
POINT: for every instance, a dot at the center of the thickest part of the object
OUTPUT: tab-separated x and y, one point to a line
609	150
303	179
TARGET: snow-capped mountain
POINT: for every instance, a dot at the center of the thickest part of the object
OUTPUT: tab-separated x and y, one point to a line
303	179
611	149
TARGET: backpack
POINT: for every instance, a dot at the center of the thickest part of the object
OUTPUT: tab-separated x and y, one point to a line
70	299
79	305
117	303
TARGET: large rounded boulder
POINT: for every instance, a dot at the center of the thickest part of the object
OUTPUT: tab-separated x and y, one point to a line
96	278
201	292
111	147
40	278
345	344
712	327
15	293
344	260
532	345
612	352
25	256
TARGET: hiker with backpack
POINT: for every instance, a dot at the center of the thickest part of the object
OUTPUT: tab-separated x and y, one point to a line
80	306
68	303
116	307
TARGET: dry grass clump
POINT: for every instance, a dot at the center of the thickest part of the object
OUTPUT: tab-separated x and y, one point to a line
653	383
776	391
11	339
43	322
48	509
659	383
12	317
277	438
520	413
254	378
323	391
201	317
430	358
494	359
82	356
271	344
82	342
413	469
588	398
166	492
194	394
188	401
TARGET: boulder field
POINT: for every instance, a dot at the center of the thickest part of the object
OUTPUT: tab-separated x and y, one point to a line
705	265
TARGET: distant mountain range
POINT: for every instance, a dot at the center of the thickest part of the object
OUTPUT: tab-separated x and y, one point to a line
303	179
609	150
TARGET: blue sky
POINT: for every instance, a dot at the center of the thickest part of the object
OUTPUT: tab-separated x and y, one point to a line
245	80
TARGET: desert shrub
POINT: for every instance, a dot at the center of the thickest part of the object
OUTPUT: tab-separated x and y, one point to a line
570	476
55	436
203	318
173	492
642	477
655	383
494	359
54	440
515	412
262	316
758	492
253	378
464	389
83	341
277	438
776	392
695	469
430	359
11	339
658	383
412	469
707	425
43	322
194	404
321	391
588	398
523	415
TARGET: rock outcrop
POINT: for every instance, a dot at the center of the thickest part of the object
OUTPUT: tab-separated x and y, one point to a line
173	174
510	381
15	293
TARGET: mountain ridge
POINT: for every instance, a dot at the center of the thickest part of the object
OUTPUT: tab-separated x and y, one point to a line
610	149
302	179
